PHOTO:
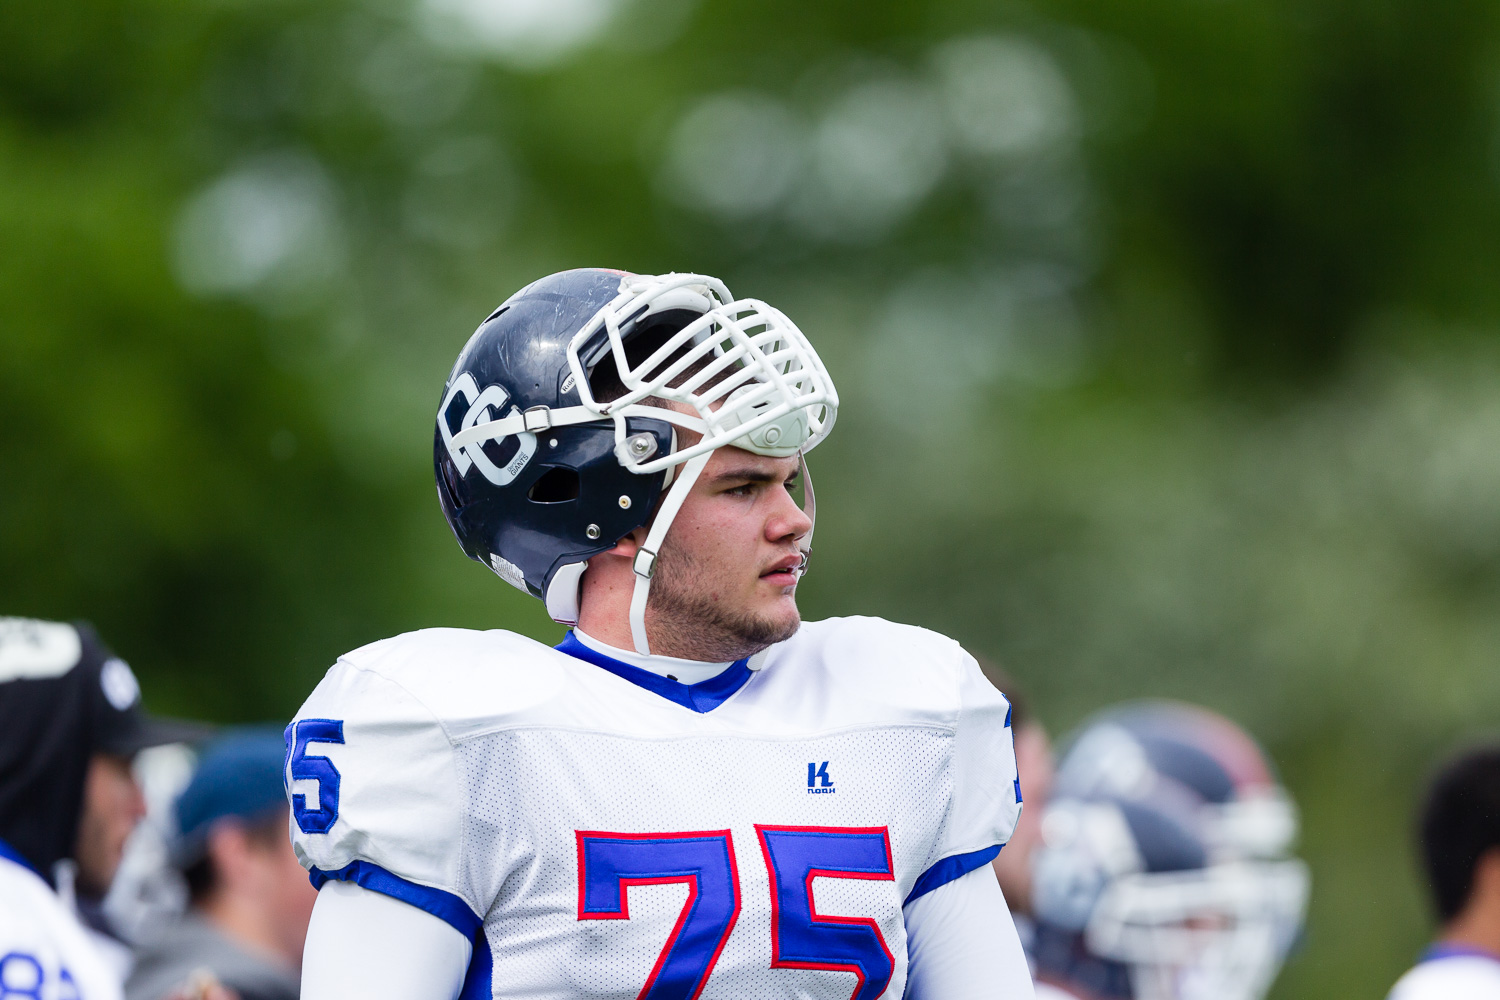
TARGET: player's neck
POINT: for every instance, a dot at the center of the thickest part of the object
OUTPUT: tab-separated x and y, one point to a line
604	599
1477	925
604	618
1477	928
671	667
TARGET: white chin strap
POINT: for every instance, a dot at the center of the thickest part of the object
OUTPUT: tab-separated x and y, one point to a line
645	557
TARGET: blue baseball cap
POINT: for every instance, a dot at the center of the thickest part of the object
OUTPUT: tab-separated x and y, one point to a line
239	776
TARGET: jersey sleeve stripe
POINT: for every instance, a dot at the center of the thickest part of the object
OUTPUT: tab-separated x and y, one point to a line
441	904
479	981
950	868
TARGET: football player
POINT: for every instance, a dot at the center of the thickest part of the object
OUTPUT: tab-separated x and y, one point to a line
1460	841
71	723
695	794
1165	870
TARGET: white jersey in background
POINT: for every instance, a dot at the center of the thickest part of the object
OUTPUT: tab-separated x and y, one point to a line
45	953
599	830
1046	991
1451	973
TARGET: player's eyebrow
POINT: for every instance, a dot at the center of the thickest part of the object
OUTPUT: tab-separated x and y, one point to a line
752	474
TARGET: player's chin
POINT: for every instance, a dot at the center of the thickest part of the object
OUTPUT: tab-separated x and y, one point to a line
775	625
780	612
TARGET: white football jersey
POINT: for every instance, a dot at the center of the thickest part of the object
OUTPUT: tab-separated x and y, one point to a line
602	831
45	952
1046	991
1451	974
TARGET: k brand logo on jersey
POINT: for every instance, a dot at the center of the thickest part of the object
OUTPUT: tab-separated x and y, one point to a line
818	782
479	404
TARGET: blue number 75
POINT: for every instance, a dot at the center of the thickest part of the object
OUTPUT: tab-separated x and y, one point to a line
801	938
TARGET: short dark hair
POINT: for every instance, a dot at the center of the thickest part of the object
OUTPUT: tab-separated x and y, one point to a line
1460	821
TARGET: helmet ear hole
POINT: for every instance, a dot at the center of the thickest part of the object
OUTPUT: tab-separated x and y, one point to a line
556	485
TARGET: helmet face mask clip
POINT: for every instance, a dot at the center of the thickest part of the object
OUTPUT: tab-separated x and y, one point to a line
594	372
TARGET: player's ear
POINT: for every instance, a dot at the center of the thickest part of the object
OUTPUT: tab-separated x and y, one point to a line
626	547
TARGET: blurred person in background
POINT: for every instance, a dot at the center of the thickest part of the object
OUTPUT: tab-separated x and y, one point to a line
1459	831
1034	767
250	900
1164	871
70	723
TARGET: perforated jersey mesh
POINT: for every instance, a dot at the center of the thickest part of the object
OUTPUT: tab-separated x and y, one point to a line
529	790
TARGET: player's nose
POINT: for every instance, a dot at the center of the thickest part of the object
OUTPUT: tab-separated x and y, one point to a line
787	521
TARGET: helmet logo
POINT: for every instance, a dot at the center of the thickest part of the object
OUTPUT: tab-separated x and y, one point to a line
480	404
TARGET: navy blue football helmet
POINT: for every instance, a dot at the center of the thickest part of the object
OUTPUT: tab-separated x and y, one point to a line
1164	871
557	430
1157	747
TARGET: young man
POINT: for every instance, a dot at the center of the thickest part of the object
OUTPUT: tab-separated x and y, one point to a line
70	722
250	901
694	794
1460	833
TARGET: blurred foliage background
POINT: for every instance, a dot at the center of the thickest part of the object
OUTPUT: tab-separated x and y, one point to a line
1166	331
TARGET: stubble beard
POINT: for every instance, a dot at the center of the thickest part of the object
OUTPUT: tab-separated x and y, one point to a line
685	622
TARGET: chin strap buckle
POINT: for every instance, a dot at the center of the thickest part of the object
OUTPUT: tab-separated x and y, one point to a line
536	419
644	564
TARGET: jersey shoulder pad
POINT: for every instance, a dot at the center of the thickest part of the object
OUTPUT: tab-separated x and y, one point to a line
470	681
986	785
914	671
372	773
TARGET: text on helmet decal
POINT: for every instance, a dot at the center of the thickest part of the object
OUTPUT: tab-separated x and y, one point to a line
479	406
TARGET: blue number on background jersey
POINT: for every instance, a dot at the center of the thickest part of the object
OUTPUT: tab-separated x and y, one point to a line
20	976
800	939
609	863
305	766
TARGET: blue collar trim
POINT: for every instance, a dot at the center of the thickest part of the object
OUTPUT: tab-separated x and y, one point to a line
1441	951
705	696
11	854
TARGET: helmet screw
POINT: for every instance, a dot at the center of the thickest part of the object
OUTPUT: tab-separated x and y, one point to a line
640	445
592	531
624	503
552	443
773	434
